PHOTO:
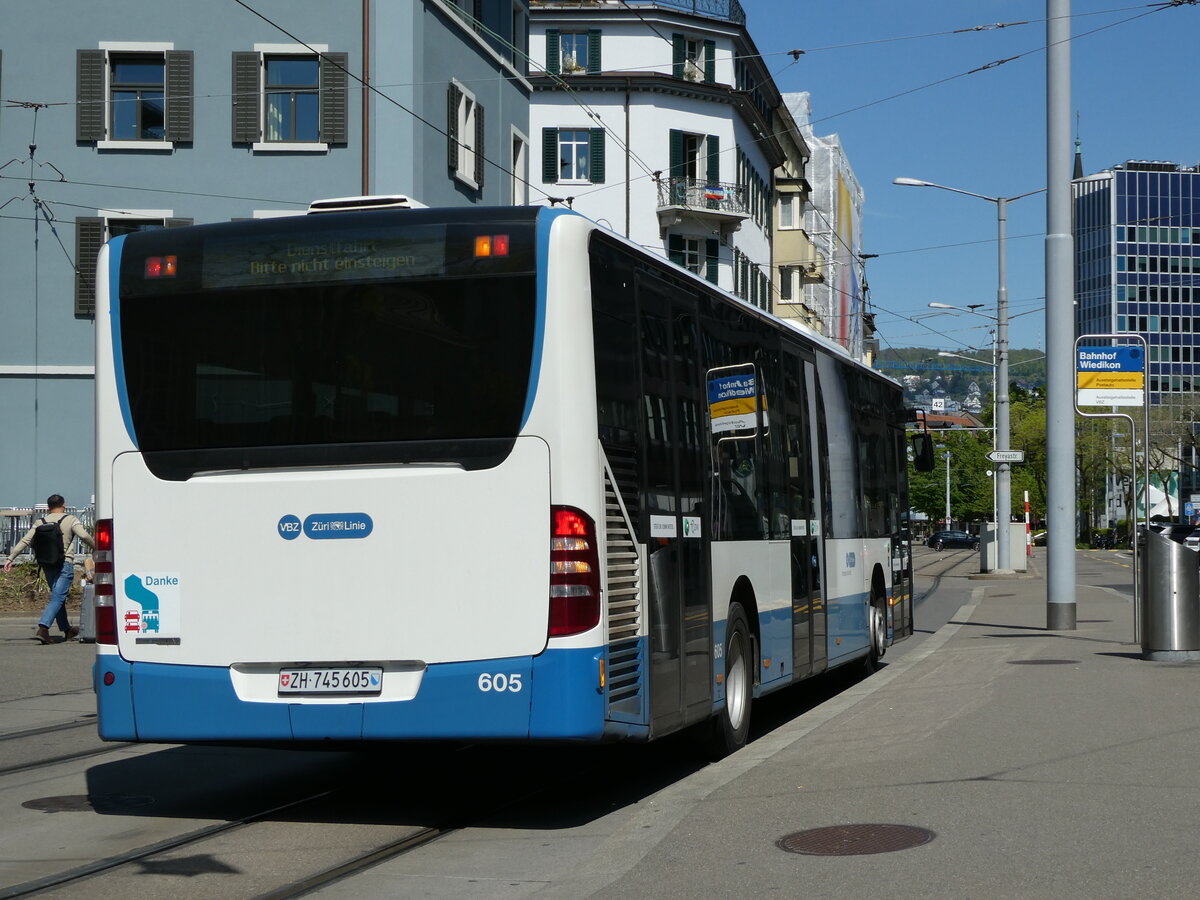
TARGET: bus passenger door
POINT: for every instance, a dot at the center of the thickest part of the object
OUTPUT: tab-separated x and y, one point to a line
802	511
673	517
817	476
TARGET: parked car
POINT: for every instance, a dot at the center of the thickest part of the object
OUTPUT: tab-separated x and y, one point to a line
939	540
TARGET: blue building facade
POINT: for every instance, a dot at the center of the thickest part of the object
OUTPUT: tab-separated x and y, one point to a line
169	114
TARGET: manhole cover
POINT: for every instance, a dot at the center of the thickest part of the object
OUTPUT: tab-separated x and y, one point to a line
855	840
102	803
1043	662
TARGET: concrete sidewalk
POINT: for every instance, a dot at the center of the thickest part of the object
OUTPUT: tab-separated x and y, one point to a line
1046	764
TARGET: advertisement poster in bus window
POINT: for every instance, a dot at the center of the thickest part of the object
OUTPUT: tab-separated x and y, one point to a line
732	402
150	606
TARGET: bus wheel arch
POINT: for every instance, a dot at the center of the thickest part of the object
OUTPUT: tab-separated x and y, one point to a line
743	595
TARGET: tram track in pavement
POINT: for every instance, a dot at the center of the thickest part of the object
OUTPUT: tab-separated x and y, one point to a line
949	559
334	807
42	761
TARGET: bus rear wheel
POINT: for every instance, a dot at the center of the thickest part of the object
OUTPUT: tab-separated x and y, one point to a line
732	725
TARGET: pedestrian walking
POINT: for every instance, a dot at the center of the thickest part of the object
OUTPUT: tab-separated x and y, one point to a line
51	539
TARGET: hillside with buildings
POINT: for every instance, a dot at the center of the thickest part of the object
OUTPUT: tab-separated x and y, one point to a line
957	383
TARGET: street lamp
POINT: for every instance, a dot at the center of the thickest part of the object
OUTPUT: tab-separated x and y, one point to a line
1003	485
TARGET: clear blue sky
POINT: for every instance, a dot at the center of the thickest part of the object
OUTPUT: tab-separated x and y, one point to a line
984	132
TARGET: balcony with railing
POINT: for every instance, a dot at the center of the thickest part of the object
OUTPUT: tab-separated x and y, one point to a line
720	203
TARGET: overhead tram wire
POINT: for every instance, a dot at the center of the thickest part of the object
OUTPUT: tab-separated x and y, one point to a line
374	89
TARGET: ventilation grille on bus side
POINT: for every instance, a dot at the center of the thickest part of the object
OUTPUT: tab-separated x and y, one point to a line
624	588
624	600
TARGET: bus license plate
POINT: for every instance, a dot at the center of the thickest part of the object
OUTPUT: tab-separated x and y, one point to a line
357	680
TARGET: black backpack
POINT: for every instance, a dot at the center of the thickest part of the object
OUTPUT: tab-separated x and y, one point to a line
47	543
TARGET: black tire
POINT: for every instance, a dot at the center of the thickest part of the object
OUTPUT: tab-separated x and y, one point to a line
732	725
938	545
876	634
975	546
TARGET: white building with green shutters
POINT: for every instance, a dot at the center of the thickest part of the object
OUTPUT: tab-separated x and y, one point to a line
653	117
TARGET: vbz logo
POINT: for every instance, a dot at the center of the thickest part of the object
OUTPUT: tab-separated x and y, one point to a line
289	528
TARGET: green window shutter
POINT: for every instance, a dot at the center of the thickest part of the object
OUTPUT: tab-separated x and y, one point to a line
550	155
593	65
453	96
89	237
713	145
333	84
678	50
712	249
179	90
675	249
710	62
553	51
676	153
480	131
246	96
89	91
596	152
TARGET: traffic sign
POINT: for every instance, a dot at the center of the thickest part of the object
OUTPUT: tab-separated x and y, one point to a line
999	456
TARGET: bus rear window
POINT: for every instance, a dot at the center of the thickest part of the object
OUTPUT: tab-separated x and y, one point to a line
428	360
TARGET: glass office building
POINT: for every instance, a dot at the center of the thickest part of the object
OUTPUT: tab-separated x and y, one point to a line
1137	269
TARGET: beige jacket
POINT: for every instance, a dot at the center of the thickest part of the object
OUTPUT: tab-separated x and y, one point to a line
71	528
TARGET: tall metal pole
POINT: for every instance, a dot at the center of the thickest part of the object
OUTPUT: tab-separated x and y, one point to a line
1003	485
1060	325
947	490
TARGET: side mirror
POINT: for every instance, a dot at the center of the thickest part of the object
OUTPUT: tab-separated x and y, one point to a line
923	452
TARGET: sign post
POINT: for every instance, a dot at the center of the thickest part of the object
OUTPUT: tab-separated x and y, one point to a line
1112	375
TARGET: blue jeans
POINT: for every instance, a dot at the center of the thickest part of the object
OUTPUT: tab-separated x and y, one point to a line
59	578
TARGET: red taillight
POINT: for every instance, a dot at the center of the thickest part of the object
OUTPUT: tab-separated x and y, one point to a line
574	572
161	266
106	610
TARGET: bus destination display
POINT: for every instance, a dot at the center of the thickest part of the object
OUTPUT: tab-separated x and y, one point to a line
300	258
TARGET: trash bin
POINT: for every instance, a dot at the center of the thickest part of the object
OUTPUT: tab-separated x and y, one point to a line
1170	597
87	614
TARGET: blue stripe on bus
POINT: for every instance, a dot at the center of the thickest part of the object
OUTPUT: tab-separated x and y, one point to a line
114	702
559	699
545	222
115	248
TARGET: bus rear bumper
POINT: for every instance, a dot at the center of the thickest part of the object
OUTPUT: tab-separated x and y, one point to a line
553	696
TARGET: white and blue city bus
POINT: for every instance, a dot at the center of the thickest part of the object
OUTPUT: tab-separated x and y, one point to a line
488	474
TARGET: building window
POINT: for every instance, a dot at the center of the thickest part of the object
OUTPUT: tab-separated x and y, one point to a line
699	255
520	37
137	98
787	278
573	155
520	169
285	99
692	59
787	211
133	97
90	234
291	93
572	52
465	136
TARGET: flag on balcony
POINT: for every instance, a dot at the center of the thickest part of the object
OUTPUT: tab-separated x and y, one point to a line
714	193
